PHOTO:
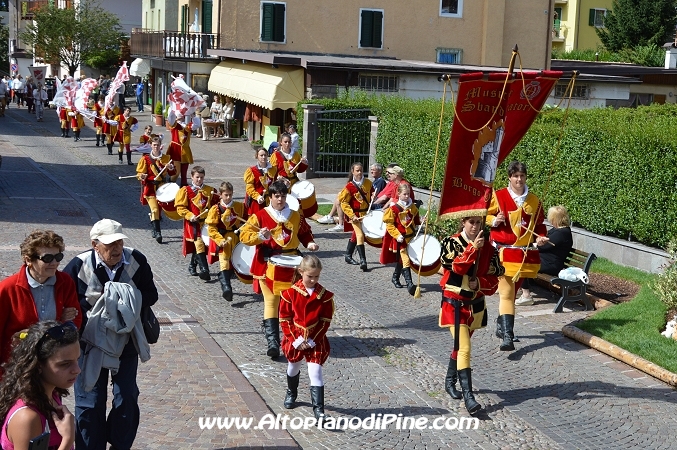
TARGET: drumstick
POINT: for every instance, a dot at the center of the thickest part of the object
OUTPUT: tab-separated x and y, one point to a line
420	227
244	221
130	176
163	169
368	209
537	235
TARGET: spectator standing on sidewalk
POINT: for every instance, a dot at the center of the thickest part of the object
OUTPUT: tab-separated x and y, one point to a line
18	85
109	267
4	91
139	95
40	97
28	93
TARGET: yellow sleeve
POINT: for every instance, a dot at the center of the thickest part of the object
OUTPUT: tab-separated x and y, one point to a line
494	209
212	221
141	167
389	220
181	203
249	180
249	232
344	199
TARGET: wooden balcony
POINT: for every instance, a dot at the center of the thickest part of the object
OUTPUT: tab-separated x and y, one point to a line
27	7
172	44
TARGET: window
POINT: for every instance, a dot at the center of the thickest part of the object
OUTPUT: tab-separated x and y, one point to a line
581	91
207	16
184	18
371	28
597	18
4	5
449	55
451	8
378	83
152	4
273	22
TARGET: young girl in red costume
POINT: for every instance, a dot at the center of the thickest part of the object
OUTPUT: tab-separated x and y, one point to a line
401	220
257	179
306	310
355	199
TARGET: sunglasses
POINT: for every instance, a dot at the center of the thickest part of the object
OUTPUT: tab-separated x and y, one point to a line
48	258
57	333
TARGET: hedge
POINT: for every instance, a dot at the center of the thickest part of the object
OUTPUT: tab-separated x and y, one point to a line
616	170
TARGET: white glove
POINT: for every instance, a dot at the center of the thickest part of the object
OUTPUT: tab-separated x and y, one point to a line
72	114
311	343
134	127
299	340
261	200
400	238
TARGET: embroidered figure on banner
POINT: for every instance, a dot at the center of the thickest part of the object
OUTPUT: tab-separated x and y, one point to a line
485	153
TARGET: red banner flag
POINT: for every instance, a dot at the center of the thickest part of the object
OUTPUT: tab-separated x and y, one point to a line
486	128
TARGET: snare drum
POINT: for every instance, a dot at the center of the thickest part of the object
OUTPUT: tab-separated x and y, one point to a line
304	191
165	195
281	272
241	260
430	264
293	203
374	229
514	260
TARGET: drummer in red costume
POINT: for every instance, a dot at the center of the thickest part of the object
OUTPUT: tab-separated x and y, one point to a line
288	164
354	200
152	173
193	203
275	230
65	120
77	123
147	135
471	271
306	310
179	148
515	216
126	124
98	109
109	129
401	220
257	179
223	221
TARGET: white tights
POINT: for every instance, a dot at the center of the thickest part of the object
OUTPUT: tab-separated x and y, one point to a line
314	372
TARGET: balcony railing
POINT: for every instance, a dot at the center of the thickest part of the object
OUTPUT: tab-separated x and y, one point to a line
172	44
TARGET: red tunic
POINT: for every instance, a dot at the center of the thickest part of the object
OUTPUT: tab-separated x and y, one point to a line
152	167
222	222
513	231
284	167
189	204
98	121
399	221
256	182
355	202
308	316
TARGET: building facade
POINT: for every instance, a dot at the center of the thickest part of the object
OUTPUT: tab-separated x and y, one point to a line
575	22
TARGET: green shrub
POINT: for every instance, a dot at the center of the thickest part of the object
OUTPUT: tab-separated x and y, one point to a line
665	284
158	108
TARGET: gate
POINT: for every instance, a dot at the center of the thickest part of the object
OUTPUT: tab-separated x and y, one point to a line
342	138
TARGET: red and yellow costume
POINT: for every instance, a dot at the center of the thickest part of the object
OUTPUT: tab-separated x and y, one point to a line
98	121
355	200
400	221
190	203
64	118
179	148
124	130
110	130
256	182
463	309
152	167
284	165
222	221
309	316
77	121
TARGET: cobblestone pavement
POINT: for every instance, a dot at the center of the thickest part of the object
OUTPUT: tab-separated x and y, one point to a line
388	354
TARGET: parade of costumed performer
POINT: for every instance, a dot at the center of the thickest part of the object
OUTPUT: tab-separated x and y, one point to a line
65	121
99	108
401	220
515	216
110	127
306	310
355	199
257	179
193	203
471	271
288	164
126	125
275	230
223	221
77	123
153	170
179	147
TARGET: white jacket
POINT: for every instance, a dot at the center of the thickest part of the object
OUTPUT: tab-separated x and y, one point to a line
110	323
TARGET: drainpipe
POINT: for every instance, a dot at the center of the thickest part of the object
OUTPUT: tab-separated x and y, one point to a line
578	25
549	27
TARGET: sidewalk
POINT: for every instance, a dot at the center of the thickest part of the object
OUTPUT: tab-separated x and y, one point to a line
388	354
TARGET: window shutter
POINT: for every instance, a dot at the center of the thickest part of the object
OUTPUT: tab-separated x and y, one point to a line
267	22
207	16
592	18
183	19
278	22
378	30
367	28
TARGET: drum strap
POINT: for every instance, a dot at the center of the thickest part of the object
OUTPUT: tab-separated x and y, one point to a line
359	189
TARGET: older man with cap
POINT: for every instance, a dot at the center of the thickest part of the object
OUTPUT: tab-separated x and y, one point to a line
388	196
110	261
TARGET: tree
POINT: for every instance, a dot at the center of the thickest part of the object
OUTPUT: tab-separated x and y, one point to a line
631	23
4	48
85	34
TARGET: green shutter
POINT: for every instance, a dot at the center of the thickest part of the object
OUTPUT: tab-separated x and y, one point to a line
591	22
378	29
207	16
183	19
267	22
367	28
278	22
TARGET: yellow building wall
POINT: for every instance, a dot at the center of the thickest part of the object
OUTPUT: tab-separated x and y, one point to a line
411	30
587	37
575	24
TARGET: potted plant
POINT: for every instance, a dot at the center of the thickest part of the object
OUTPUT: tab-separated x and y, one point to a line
159	119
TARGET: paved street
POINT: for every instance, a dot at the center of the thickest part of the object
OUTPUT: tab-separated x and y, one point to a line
388	354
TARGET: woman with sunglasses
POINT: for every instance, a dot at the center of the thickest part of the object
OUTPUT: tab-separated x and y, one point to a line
38	291
43	366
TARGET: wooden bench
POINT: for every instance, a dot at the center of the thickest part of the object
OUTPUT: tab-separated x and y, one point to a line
576	258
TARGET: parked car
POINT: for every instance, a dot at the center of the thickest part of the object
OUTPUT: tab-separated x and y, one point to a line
50	87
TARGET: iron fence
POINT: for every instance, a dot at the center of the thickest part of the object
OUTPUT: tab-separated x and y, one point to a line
342	139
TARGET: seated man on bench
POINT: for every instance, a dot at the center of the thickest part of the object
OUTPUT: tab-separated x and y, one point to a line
554	253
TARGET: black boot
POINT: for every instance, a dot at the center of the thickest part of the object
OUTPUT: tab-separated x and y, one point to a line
63	132
67	132
363	257
129	159
110	148
499	328
292	391
76	135
465	378
226	289
192	265
349	253
317	400
271	328
411	287
450	380
157	233
204	267
507	323
119	157
396	275
98	140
